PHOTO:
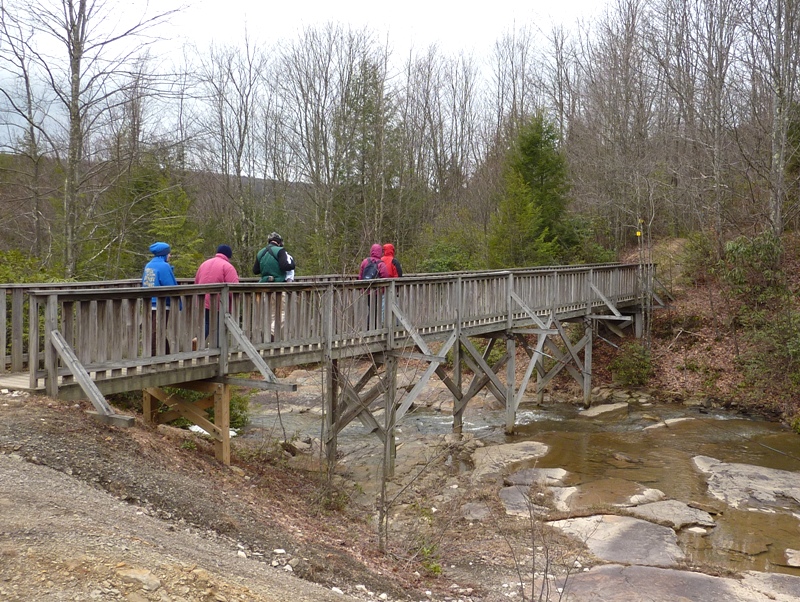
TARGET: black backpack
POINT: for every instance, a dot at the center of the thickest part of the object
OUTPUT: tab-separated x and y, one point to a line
371	270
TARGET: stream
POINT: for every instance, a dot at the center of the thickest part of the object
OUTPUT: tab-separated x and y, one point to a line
603	454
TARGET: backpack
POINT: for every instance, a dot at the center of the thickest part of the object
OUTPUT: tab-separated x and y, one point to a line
371	270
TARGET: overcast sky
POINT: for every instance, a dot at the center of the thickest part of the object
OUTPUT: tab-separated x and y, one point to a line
454	26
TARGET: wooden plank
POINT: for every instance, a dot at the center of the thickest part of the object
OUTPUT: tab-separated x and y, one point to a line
257	384
3	331
188	410
93	393
251	351
17	329
412	395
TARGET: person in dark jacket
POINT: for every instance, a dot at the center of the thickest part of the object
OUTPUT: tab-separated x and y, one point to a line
273	262
392	265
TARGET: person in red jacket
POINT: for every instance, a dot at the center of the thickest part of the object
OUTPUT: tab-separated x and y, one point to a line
392	265
372	266
218	269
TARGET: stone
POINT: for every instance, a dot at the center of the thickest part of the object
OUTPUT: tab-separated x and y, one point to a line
775	586
616	583
623	539
667	423
491	462
612	492
562	497
547	477
603	409
792	557
517	502
748	486
141	577
648	495
475	511
678	514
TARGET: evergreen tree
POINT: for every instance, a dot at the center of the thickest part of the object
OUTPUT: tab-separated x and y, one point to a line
529	227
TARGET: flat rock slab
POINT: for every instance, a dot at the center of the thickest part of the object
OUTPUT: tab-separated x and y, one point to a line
615	583
748	486
792	557
678	514
493	461
625	539
605	408
548	477
612	492
518	503
668	423
562	498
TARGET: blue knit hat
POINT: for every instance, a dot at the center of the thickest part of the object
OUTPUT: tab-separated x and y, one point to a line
159	248
225	250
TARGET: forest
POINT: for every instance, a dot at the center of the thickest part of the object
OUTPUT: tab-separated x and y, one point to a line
667	118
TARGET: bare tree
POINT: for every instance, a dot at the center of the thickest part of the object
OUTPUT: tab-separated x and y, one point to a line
26	137
773	55
232	86
333	83
81	55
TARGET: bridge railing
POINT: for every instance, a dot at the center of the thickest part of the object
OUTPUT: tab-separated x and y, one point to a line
117	330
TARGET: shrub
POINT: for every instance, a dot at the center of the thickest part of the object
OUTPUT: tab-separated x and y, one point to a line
633	365
699	257
751	267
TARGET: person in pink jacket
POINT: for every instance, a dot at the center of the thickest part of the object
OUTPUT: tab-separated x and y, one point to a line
217	269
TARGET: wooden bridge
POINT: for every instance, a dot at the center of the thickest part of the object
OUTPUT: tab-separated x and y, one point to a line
92	339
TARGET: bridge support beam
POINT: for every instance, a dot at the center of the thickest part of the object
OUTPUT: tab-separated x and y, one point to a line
218	396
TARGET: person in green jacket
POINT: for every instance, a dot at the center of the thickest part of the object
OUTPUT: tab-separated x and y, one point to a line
273	262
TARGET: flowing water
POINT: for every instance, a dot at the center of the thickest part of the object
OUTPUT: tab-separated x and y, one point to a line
603	455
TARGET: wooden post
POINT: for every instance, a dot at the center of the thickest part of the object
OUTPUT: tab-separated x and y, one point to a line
511	366
3	331
50	353
330	381
33	342
223	332
17	310
587	366
390	408
222	419
458	409
390	363
150	406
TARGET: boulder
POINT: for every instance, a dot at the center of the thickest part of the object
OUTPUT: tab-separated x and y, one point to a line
748	486
517	502
625	540
547	477
616	583
492	462
678	514
604	409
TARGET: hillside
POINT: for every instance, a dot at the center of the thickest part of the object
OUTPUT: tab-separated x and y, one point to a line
186	519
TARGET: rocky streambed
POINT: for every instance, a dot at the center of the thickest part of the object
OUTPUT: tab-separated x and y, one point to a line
667	502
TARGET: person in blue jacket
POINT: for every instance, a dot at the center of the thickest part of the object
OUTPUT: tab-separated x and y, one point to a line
158	272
